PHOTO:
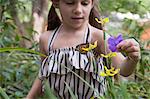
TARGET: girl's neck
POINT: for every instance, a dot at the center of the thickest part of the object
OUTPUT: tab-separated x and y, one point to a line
74	30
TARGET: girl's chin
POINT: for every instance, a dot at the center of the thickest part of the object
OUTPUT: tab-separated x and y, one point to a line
76	26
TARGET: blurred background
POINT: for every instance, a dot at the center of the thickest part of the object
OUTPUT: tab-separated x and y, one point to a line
22	21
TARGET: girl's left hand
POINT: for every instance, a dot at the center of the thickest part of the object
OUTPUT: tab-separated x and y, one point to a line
131	47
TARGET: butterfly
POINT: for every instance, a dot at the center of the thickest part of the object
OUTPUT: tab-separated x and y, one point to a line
85	47
81	46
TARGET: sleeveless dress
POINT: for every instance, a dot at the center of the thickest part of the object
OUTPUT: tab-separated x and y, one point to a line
62	66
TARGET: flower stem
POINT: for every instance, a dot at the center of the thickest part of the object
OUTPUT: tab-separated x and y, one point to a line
105	46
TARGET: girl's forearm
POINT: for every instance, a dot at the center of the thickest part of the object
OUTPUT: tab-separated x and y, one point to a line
35	90
127	66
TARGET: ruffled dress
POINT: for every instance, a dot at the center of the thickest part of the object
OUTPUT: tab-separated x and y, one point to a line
68	66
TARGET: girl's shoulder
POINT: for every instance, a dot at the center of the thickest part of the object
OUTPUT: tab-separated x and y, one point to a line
45	36
43	40
97	34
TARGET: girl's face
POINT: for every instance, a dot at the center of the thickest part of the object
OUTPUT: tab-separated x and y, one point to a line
75	13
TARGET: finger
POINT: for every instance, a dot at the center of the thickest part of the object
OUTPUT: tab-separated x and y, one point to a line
133	46
134	55
126	44
123	45
134	42
133	49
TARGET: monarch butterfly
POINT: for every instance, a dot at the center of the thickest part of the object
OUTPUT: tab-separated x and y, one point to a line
80	46
85	47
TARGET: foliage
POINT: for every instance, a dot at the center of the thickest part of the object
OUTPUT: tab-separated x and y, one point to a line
134	6
19	66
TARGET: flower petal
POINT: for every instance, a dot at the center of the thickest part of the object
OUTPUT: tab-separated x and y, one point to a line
118	39
102	21
112	54
113	48
109	72
106	20
103	74
85	49
91	46
112	68
114	41
111	41
98	21
106	56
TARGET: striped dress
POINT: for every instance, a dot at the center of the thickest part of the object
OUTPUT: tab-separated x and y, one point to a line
62	66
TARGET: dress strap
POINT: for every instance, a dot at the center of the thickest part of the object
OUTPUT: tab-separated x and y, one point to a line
52	38
87	37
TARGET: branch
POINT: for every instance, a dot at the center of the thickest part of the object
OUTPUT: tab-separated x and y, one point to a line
39	12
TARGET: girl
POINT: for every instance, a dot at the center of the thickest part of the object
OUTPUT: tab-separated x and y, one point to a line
62	44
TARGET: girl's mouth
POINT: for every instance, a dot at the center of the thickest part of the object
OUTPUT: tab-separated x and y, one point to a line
77	18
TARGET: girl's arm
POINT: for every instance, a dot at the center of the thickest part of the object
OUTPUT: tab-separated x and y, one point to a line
35	90
130	46
127	64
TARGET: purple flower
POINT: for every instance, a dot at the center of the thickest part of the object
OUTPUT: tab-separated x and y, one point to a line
114	41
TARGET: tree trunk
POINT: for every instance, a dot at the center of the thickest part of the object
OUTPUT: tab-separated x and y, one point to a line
40	12
21	28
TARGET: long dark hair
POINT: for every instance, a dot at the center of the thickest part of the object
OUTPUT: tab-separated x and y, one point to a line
54	21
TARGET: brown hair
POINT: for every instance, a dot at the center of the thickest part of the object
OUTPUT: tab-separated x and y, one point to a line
54	21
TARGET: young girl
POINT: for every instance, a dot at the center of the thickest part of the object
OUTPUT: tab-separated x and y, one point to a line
62	44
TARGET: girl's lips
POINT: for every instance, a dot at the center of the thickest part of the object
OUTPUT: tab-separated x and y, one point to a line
77	17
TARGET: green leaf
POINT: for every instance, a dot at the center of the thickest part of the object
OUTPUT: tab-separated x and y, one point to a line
17	38
71	93
48	92
3	94
22	50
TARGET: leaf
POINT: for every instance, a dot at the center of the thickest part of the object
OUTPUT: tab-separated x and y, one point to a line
71	93
3	94
17	38
48	92
21	49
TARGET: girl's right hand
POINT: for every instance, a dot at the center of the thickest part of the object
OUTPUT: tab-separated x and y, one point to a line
131	47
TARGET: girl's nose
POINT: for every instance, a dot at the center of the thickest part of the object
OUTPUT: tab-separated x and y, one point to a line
77	9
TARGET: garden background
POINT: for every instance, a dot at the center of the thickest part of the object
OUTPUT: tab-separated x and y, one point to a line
22	21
